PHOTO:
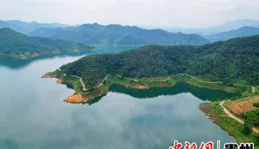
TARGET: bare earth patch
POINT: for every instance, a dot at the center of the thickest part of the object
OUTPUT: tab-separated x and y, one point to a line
77	98
241	106
59	81
47	75
140	87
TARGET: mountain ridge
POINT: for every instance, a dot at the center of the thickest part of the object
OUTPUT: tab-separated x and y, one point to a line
224	27
244	31
27	27
119	35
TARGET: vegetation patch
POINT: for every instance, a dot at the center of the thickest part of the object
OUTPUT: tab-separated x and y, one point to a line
256	104
251	117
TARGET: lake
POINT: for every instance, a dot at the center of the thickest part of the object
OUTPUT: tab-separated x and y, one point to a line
34	116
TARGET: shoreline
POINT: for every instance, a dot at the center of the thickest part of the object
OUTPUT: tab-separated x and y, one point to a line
83	95
214	118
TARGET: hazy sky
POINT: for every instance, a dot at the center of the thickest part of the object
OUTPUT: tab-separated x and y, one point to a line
156	13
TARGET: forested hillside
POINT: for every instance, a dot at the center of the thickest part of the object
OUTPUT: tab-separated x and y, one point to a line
118	35
236	59
16	44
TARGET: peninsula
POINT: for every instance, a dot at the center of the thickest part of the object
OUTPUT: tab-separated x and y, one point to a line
223	66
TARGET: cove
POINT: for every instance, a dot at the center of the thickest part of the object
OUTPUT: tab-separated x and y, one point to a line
201	93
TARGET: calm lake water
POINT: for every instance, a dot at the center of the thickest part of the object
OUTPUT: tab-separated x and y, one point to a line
34	116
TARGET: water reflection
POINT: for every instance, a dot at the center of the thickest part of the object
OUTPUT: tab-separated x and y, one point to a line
120	121
201	93
33	116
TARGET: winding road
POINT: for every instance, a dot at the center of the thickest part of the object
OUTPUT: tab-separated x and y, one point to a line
81	81
235	117
203	80
105	78
253	89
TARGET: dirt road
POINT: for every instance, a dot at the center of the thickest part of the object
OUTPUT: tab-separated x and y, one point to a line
81	81
234	116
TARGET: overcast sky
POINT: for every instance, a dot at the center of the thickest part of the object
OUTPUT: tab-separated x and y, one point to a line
155	13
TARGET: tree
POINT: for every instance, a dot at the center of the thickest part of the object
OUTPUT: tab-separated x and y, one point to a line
256	139
247	128
256	104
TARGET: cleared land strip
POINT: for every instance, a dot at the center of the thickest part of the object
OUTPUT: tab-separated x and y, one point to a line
253	89
168	78
235	117
81	81
105	78
219	82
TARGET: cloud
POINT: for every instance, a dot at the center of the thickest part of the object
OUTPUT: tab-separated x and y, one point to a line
159	13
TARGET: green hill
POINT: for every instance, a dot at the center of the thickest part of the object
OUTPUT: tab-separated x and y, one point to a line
229	61
118	35
18	45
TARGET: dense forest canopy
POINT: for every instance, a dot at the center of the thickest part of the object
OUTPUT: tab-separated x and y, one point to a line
118	35
235	59
15	43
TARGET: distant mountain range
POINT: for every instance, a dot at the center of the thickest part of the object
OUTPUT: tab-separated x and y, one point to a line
227	26
96	34
241	32
18	45
27	27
